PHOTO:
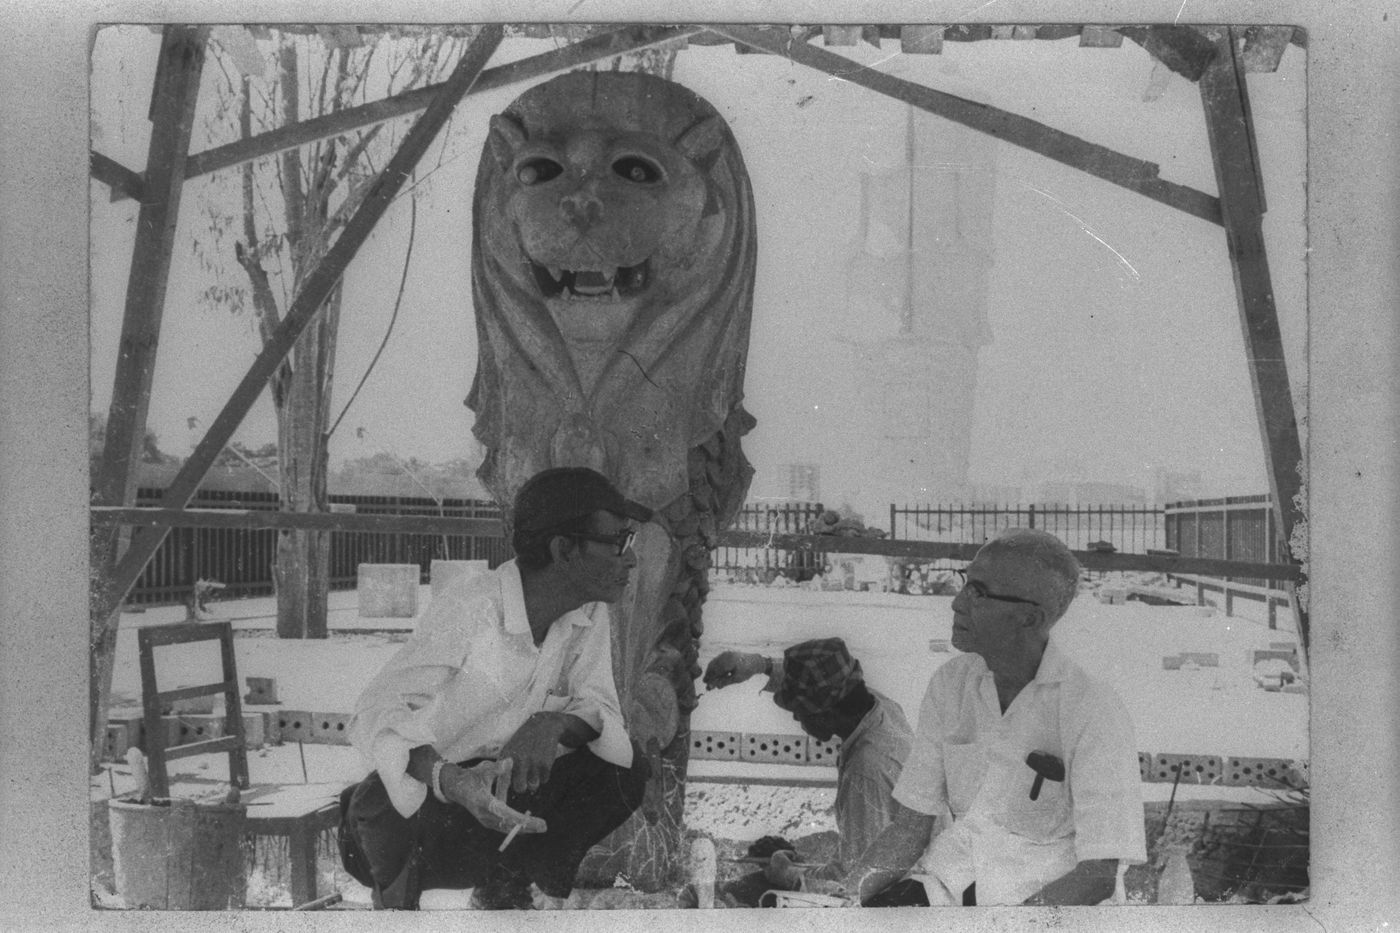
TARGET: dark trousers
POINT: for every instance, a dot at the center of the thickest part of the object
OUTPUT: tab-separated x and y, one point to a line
444	846
911	893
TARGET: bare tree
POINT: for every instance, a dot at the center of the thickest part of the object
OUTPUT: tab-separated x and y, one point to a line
290	209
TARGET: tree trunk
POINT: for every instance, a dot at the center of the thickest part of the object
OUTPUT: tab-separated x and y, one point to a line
301	571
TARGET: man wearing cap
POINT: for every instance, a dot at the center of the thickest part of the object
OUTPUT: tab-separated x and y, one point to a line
823	687
1022	782
495	734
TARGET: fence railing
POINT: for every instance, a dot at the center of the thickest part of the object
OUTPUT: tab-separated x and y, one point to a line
762	564
242	558
1239	528
1131	529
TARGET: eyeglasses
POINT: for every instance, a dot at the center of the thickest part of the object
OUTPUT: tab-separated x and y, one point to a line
621	540
980	592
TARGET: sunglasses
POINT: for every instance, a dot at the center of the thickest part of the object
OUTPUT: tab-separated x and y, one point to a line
621	540
980	592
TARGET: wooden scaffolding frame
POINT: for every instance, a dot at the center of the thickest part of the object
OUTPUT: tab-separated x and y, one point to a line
123	538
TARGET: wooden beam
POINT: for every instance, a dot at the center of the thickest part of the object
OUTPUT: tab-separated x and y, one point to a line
122	180
306	521
941	550
580	53
174	94
1225	98
1183	49
1100	161
109	592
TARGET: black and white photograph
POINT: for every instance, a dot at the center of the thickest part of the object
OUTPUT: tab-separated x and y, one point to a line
665	463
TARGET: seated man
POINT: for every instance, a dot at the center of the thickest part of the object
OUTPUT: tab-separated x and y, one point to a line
509	675
1006	833
822	686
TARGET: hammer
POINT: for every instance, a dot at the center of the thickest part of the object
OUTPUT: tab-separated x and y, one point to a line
1045	765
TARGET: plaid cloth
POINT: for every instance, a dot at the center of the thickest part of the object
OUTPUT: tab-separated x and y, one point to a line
816	676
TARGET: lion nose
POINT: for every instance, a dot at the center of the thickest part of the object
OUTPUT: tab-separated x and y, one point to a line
582	208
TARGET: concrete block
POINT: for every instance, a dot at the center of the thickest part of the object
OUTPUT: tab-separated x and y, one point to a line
1274	773
1144	766
258	728
714	745
294	725
1171	662
1200	658
1268	654
261	691
939	645
120	736
184	730
822	753
1194	769
387	591
443	572
191	706
765	748
330	728
1113	596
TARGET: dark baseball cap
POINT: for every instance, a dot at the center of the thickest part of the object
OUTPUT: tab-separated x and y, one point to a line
560	495
817	675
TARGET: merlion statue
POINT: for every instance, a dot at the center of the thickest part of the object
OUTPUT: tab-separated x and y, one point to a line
612	278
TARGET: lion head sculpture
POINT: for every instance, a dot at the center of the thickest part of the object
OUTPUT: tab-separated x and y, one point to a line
612	270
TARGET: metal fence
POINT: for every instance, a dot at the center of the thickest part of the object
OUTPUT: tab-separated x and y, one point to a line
242	558
763	564
1131	529
1233	528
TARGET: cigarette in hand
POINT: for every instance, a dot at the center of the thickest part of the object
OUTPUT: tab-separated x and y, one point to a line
513	831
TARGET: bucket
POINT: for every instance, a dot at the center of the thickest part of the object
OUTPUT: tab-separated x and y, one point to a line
184	856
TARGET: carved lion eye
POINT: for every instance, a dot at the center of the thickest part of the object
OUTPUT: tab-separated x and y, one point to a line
636	169
535	171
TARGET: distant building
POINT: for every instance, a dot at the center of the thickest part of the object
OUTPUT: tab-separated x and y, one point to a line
1175	486
1088	493
804	482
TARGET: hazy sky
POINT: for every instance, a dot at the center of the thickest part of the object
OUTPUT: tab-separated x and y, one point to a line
1117	345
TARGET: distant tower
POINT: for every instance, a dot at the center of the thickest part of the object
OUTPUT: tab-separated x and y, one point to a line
922	264
804	482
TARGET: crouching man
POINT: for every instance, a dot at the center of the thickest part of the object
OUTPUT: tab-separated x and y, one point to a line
495	733
1021	785
822	685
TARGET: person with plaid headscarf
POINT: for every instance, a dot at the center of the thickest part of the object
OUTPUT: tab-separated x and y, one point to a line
822	685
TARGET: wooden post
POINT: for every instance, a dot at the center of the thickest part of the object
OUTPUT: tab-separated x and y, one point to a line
1229	127
172	117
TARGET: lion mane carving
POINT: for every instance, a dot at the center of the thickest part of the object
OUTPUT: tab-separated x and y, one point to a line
613	260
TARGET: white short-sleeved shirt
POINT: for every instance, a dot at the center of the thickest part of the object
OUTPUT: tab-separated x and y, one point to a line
471	675
967	766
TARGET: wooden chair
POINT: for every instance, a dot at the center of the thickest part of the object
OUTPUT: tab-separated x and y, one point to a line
271	810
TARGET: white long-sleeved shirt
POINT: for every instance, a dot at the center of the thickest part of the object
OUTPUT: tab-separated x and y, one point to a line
967	766
471	675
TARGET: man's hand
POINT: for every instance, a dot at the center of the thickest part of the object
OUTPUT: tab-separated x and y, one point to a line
533	749
471	787
782	873
732	667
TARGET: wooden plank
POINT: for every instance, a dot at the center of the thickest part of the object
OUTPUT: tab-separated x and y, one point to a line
1100	37
226	743
921	40
233	711
122	180
1264	47
1183	49
1100	161
173	97
110	590
580	53
1225	99
940	550
165	697
182	633
837	35
331	521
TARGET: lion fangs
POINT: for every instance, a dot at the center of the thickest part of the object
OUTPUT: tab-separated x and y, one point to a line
615	295
555	272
